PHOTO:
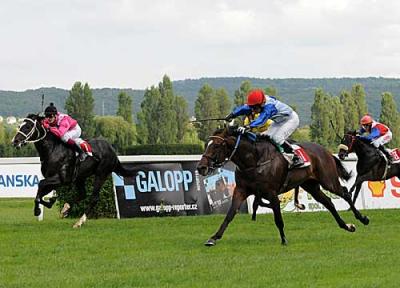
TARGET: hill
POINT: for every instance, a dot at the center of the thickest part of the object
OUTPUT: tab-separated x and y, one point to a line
294	91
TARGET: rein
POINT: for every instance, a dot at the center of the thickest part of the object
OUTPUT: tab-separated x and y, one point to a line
217	165
31	132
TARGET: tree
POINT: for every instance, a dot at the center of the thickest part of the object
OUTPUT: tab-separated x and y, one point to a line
80	105
125	107
119	132
351	118
337	118
390	116
182	118
223	101
271	91
319	128
147	127
206	107
167	117
157	120
358	94
241	93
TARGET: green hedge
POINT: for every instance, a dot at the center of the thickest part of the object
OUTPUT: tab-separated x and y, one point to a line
104	208
165	149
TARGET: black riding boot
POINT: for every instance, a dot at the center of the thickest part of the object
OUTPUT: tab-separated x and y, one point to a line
386	152
296	160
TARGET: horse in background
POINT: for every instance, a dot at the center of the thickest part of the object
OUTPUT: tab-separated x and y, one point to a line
371	164
60	165
262	170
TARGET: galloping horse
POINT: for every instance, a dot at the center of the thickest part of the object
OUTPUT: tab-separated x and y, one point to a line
60	165
261	170
371	165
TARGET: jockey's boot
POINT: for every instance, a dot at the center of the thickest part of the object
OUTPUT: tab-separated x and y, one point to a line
86	150
296	161
386	152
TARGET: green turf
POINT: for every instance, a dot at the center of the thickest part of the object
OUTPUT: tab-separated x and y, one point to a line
169	252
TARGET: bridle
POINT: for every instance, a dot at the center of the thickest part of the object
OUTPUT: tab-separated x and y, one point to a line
213	160
29	135
349	148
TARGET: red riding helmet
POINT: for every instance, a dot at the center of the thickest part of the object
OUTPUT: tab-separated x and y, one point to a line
366	119
255	97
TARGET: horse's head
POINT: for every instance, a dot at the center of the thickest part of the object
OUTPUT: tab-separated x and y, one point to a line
30	130
218	151
346	144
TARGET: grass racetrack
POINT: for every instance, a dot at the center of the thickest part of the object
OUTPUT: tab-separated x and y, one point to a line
169	251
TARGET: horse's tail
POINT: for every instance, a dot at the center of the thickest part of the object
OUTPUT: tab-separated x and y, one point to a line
123	171
343	173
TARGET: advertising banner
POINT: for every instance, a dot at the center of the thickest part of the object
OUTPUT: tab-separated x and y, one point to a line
19	180
173	188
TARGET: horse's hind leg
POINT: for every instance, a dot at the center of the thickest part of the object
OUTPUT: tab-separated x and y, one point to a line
314	189
98	183
347	197
80	186
296	199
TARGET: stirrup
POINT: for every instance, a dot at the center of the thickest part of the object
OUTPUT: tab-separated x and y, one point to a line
288	157
297	162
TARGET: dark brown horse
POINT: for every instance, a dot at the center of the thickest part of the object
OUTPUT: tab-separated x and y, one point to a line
261	170
371	165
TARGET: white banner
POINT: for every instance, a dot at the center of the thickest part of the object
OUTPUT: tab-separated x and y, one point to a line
19	180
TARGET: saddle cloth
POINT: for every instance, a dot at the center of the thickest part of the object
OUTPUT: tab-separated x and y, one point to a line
299	151
395	155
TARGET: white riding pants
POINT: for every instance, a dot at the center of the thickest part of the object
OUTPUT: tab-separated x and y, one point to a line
383	139
74	134
279	132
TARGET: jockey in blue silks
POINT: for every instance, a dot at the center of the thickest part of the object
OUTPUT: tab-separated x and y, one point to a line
284	121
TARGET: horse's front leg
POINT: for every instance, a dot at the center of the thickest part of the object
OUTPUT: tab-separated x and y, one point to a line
237	199
256	201
45	187
358	189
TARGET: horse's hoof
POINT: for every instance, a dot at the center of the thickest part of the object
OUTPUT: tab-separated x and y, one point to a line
365	220
300	206
65	210
36	211
284	242
210	242
253	218
351	227
76	225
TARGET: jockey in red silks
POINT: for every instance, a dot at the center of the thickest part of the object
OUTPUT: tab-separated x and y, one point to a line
66	128
377	133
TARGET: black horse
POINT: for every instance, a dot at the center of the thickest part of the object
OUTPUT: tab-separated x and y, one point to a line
60	165
261	170
371	165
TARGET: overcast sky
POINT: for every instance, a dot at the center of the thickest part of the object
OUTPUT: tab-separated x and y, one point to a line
132	44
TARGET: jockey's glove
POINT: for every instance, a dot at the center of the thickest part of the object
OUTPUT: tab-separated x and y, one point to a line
243	129
229	117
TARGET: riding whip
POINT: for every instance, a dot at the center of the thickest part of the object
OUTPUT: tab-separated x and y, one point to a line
207	119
